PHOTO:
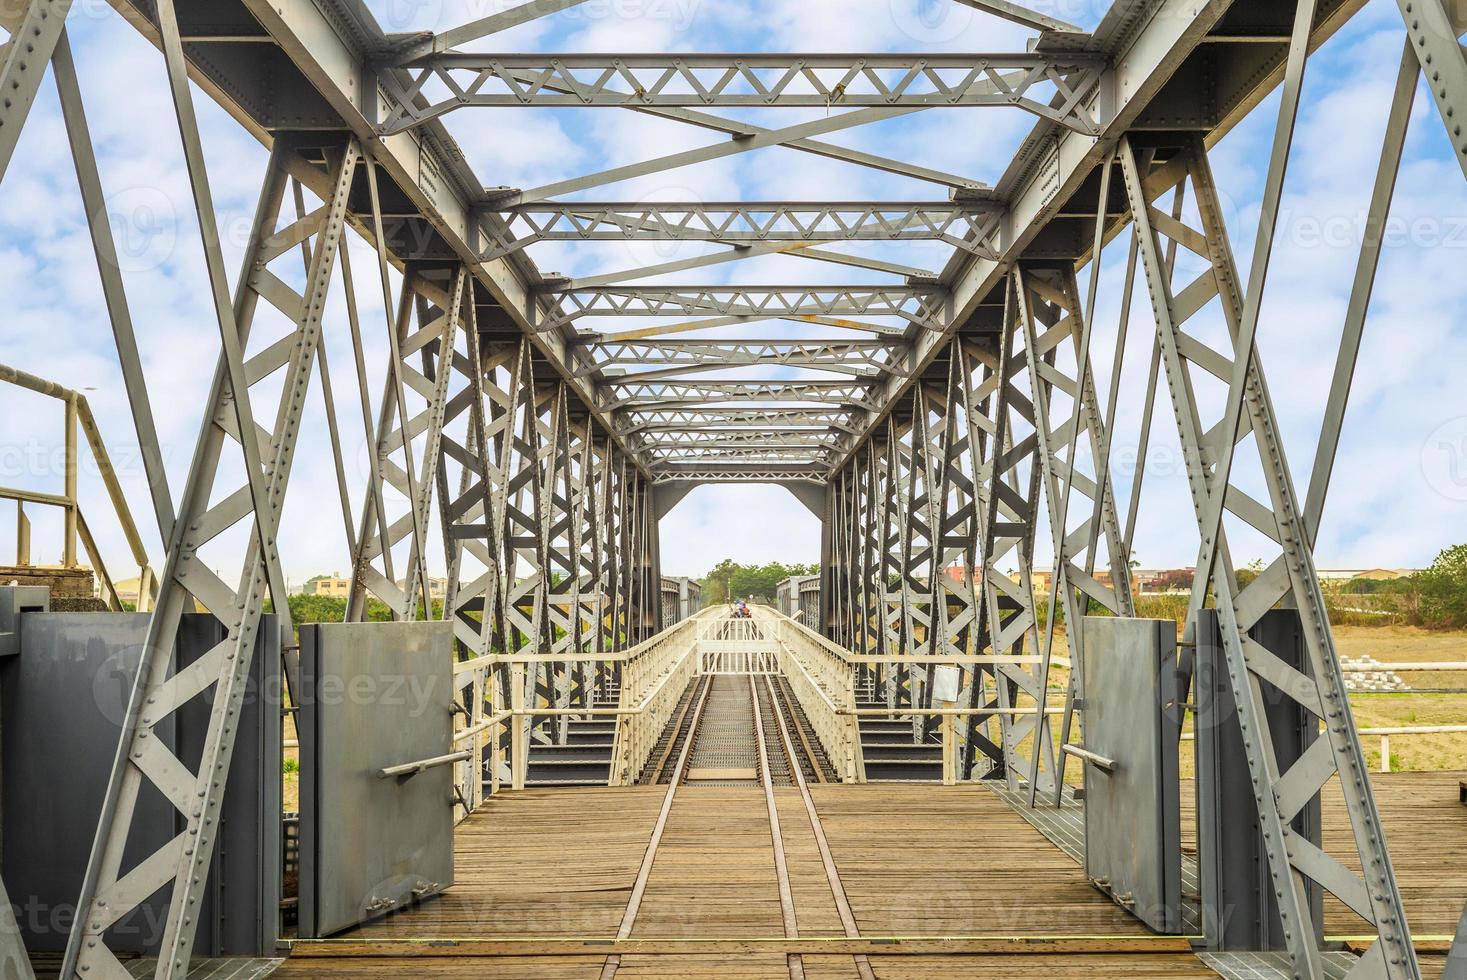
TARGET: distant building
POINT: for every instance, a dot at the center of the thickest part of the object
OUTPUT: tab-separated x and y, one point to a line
127	590
437	587
1336	577
960	573
1156	580
333	586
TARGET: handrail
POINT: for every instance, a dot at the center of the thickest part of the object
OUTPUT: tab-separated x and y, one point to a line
824	683
654	677
1384	732
78	414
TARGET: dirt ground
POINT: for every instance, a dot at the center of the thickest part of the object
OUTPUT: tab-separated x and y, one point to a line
1398	644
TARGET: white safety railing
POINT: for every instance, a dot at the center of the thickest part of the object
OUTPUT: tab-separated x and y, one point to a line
761	661
654	676
729	645
653	673
823	680
823	675
1385	734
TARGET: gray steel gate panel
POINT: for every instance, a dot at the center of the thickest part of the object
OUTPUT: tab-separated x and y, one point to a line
1129	686
62	697
373	695
1239	911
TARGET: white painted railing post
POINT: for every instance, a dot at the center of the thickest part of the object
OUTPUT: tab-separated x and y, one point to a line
518	747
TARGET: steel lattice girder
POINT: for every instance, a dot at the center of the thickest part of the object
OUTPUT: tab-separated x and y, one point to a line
1290	579
894	472
717	436
109	890
865	358
1064	81
641	396
683	420
968	225
714	473
921	305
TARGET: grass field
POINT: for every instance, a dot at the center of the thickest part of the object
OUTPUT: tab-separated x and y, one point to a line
1401	644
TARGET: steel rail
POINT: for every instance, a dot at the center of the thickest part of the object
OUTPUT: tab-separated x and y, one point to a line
639	887
794	961
832	873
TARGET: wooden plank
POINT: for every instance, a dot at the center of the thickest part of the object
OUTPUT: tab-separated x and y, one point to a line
943	881
541	862
827	945
925	860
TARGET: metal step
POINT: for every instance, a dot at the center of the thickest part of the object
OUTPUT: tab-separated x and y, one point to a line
904	770
574	737
570	753
541	769
884	752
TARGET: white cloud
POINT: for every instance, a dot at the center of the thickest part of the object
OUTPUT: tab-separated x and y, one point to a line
1383	508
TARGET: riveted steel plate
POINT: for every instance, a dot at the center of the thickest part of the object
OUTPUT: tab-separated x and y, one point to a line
1132	812
1237	893
62	702
374	695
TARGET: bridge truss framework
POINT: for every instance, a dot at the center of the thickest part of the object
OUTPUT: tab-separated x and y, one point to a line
961	415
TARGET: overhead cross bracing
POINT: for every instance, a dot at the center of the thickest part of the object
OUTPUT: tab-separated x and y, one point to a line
968	225
976	419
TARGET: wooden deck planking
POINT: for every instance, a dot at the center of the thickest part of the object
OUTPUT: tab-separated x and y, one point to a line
925	860
815	910
429	968
915	860
540	862
1426	833
714	871
1096	966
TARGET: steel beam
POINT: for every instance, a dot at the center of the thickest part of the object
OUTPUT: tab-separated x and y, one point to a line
1051	85
920	305
968	225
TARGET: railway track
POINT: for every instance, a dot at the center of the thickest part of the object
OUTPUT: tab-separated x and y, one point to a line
743	730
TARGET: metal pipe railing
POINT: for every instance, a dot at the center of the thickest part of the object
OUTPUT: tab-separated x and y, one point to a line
78	416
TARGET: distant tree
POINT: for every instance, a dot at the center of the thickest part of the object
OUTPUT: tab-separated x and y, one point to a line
1243	576
1442	590
332	609
730	580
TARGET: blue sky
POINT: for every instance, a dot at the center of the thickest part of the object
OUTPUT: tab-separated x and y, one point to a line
1397	496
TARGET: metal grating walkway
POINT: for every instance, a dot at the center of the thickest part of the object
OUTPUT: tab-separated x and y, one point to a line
724	751
1273	966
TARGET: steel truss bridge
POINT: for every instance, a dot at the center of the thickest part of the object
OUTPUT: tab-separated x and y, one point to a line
937	416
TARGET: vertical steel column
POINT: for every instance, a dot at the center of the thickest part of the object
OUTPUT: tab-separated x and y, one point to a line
1066	411
465	518
110	892
1009	504
1291	580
